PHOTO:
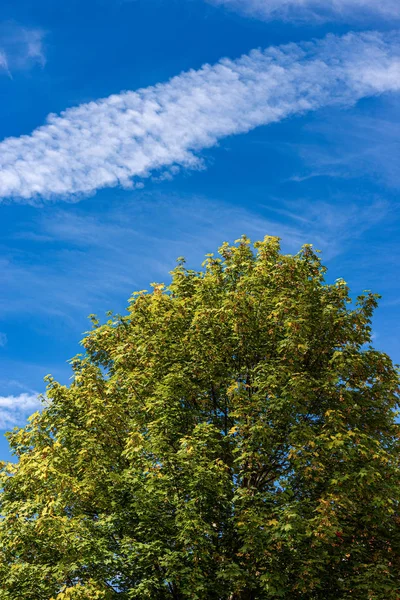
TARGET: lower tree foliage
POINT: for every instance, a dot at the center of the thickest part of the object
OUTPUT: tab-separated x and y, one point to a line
233	437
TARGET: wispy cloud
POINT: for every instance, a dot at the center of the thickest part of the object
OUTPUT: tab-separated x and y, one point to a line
20	47
3	340
123	138
15	409
319	10
3	61
354	144
96	262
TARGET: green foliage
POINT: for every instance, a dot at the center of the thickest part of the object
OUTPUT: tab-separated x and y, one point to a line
233	437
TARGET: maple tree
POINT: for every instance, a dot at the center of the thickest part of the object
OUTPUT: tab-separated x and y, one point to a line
233	437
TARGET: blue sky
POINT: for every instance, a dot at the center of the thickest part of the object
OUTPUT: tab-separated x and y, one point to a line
135	132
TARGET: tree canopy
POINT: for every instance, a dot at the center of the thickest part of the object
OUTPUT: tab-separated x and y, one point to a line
232	437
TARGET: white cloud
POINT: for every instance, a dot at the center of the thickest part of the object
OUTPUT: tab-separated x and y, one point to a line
20	47
3	339
15	409
127	136
320	10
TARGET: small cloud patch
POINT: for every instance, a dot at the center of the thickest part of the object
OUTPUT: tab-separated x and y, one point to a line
21	47
14	410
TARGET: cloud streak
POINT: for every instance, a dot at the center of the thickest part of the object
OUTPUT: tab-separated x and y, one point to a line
15	409
126	137
319	10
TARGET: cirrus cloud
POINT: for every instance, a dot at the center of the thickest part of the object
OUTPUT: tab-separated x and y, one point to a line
319	10
126	137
